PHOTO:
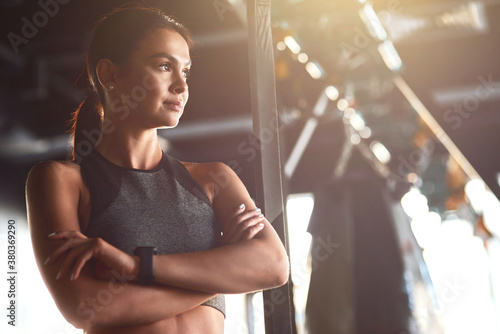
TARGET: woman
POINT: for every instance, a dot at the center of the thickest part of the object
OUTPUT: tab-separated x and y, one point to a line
95	220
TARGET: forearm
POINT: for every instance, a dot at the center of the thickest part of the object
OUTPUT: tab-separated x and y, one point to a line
252	258
241	267
53	193
94	303
104	297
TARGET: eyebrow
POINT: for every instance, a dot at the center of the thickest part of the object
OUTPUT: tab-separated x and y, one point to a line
169	57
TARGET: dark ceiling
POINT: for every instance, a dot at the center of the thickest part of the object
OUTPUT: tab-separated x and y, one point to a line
449	52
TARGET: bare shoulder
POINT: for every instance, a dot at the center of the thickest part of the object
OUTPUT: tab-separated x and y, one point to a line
207	168
50	172
49	166
214	177
210	172
52	182
54	197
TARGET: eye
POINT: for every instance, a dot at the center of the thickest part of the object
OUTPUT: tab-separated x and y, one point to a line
164	67
186	73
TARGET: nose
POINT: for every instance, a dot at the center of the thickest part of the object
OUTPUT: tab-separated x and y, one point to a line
179	84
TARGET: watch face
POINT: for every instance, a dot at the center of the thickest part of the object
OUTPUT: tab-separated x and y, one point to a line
146	274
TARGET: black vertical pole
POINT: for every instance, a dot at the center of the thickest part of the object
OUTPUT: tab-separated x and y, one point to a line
278	304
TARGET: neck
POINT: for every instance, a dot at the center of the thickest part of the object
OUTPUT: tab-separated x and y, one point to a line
139	150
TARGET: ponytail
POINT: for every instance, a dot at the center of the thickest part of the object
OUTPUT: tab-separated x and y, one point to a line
85	126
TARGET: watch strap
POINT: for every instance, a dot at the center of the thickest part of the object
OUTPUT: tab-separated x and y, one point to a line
146	274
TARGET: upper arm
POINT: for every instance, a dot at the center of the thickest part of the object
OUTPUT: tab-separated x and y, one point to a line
229	194
229	197
228	191
52	197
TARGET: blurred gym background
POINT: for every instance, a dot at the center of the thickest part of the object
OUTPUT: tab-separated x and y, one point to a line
389	123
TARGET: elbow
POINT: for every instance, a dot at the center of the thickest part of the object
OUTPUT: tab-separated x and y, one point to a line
280	271
82	316
87	313
87	318
283	271
269	269
72	305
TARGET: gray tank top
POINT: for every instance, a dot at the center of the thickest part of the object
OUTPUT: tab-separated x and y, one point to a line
163	207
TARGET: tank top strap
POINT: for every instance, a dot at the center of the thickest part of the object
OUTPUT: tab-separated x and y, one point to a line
180	173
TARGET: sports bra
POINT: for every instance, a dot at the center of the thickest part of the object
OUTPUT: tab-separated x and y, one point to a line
162	207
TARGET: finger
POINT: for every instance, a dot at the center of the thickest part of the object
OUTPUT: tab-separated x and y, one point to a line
235	230
242	227
62	236
239	218
252	231
247	224
65	235
60	250
237	211
67	261
79	262
75	258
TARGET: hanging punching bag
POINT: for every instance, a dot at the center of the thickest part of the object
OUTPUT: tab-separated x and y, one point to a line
360	286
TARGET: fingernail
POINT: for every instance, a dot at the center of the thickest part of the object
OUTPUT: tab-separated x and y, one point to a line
242	206
261	224
46	260
51	235
58	275
260	216
258	210
72	277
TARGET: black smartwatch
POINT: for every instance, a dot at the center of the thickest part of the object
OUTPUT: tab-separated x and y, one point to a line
146	275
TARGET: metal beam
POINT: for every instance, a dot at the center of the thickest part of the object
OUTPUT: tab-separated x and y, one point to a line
435	127
306	135
278	305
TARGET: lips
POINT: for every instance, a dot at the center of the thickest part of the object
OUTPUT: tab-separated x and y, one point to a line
175	105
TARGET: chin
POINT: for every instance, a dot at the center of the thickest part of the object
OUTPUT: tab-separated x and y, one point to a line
168	126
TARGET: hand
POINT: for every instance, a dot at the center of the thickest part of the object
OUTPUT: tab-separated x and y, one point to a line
242	225
76	250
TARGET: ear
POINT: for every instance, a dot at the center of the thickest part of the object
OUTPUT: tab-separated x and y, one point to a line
106	73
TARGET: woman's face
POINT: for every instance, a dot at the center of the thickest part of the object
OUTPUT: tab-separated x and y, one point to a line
152	84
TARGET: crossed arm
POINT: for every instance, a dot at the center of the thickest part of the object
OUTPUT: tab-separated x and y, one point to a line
252	257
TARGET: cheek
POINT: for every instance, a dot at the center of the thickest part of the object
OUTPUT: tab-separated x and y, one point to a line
150	90
143	81
150	82
134	92
154	85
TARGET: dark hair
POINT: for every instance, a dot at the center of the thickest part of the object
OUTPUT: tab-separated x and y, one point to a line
113	38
